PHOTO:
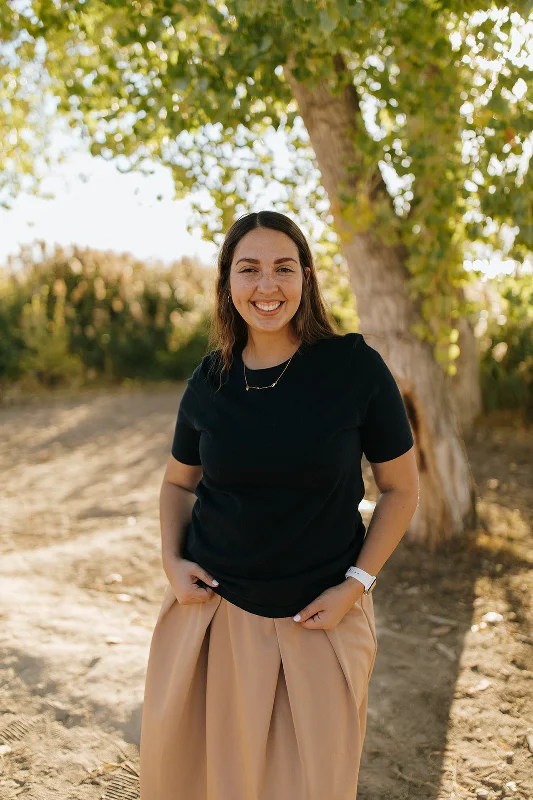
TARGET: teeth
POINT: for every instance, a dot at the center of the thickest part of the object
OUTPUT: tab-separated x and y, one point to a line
267	307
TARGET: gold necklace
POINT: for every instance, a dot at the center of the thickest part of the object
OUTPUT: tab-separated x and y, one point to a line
270	385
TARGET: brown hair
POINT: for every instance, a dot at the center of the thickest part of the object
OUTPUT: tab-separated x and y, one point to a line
310	322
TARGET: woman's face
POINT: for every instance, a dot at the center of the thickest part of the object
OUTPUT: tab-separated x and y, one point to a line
266	269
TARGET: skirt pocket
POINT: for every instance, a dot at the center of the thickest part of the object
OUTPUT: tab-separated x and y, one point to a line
367	606
355	646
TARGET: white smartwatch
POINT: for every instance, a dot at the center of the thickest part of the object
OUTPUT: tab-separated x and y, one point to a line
368	581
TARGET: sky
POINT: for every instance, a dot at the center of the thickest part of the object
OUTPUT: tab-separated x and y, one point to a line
97	206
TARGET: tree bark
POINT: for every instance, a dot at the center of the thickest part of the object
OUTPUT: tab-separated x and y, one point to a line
378	275
465	384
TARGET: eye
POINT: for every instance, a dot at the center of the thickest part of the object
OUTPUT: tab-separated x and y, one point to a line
247	269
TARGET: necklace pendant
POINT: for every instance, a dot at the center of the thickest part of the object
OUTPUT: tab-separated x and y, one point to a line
268	386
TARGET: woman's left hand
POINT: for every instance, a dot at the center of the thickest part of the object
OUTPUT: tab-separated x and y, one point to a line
327	610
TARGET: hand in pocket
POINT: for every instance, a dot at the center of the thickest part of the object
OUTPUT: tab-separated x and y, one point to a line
183	576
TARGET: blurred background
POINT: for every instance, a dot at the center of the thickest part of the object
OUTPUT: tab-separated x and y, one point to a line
398	136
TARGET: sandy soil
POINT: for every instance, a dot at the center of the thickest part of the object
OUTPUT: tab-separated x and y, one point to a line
451	696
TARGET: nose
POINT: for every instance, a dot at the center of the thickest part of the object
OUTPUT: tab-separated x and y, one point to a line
266	283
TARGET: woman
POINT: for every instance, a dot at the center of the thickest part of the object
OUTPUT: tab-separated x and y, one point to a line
259	664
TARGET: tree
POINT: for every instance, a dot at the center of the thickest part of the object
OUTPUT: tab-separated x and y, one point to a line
361	90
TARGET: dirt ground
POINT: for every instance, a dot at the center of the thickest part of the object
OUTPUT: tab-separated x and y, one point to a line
451	695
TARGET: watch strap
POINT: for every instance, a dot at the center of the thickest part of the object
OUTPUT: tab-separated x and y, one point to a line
365	578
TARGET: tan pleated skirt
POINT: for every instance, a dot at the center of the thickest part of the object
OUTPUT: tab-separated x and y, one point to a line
243	707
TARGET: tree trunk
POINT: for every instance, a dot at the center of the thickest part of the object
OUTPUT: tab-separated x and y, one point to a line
465	384
378	274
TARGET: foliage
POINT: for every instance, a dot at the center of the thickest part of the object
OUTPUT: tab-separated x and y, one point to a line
47	355
200	85
505	331
12	299
75	316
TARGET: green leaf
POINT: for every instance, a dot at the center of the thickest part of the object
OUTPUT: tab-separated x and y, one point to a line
329	18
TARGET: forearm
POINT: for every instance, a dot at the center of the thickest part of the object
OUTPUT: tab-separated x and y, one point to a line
392	514
175	512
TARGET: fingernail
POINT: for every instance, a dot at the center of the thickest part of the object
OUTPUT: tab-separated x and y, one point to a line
297	618
215	583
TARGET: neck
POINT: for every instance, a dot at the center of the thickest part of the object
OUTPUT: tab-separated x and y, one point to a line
263	351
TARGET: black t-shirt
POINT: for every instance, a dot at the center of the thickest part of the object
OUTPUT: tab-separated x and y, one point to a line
276	518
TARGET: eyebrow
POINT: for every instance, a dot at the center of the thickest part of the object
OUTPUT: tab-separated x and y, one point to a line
256	260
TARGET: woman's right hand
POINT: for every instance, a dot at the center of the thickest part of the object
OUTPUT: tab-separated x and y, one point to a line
182	575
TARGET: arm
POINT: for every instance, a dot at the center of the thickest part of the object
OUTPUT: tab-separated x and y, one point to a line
397	481
176	500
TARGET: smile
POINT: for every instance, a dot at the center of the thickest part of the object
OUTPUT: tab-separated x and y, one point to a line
267	309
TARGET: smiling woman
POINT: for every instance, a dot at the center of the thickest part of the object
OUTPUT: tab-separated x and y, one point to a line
241	700
263	286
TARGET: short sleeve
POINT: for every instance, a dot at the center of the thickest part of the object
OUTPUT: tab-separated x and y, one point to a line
385	431
185	445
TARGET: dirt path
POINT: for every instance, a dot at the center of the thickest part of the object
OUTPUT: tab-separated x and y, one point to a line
451	705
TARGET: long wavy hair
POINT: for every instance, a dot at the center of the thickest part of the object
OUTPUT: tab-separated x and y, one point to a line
310	322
